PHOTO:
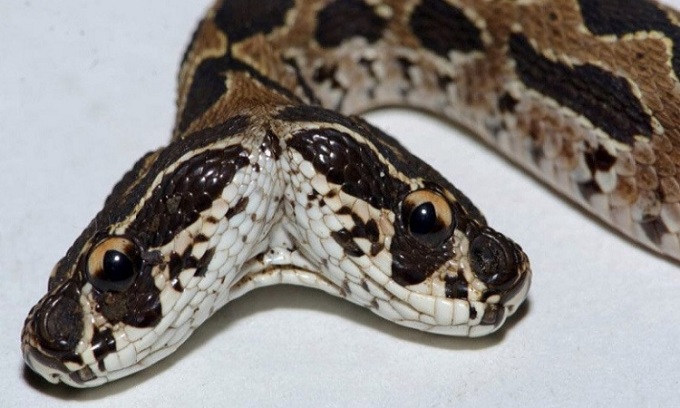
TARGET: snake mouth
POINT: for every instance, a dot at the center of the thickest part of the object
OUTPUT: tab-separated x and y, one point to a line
55	371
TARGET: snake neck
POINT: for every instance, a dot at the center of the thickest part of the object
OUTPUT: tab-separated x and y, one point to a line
424	54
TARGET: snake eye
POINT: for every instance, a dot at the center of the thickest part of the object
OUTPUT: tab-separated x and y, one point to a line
113	264
428	216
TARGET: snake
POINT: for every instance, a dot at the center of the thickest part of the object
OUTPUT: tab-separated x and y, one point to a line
271	177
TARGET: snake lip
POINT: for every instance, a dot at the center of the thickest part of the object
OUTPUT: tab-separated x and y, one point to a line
50	368
55	371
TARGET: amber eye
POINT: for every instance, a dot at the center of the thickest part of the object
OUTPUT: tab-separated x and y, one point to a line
113	264
428	216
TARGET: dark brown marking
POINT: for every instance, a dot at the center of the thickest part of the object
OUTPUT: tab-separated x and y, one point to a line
271	146
348	163
238	208
345	19
621	17
208	85
442	28
103	343
455	287
204	262
179	198
179	262
364	286
473	313
345	240
604	98
241	19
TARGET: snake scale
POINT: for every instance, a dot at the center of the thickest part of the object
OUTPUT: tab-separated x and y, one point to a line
270	178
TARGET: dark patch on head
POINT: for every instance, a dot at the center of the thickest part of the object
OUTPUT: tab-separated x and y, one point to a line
345	240
179	262
103	343
346	289
130	190
345	19
364	286
442	28
455	287
376	247
473	313
350	164
368	230
604	98
621	17
241	19
204	262
271	146
180	197
177	285
237	208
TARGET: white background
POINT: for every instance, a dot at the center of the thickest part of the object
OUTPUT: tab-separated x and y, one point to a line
86	89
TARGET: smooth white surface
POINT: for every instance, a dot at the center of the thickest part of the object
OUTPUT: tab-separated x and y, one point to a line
88	87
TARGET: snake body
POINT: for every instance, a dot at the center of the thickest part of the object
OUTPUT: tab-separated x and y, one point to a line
269	178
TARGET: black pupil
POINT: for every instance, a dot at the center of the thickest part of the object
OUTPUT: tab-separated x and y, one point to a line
423	219
117	266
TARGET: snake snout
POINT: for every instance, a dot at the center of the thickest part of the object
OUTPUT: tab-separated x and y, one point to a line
58	324
496	260
52	332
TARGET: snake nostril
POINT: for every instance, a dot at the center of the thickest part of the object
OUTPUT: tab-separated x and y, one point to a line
59	324
493	259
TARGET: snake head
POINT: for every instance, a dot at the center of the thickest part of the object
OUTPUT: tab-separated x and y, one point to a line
101	296
190	224
145	272
403	241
